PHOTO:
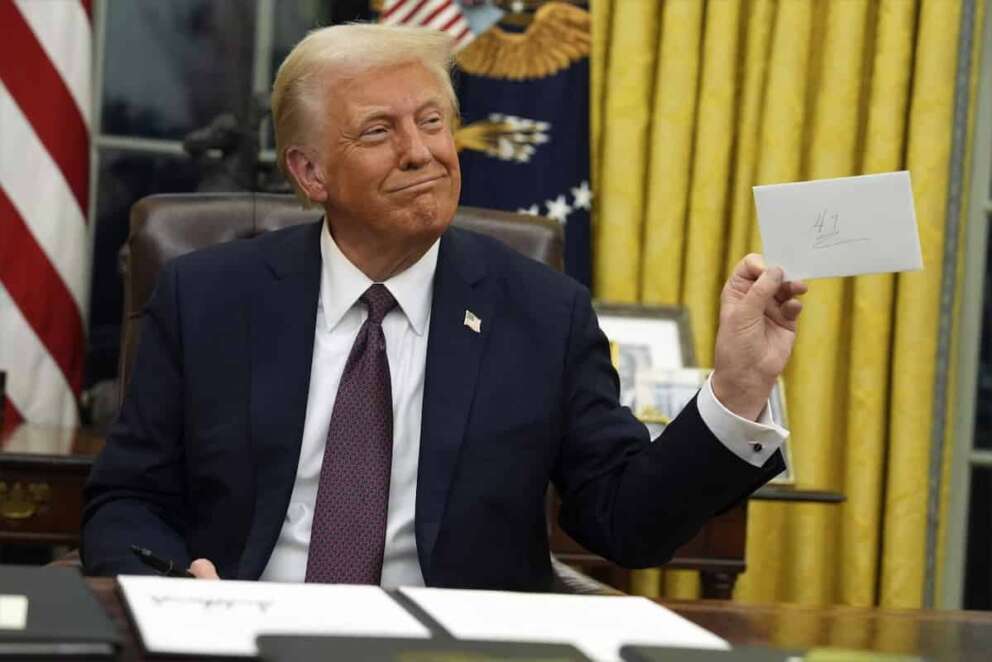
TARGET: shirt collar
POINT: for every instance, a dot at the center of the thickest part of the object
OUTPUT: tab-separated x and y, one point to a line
342	283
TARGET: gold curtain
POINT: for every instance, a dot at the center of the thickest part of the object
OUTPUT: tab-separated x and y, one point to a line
695	102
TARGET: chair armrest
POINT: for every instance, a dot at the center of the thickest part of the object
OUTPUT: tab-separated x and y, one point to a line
570	580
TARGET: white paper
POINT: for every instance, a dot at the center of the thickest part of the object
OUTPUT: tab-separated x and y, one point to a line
13	612
596	625
198	617
840	227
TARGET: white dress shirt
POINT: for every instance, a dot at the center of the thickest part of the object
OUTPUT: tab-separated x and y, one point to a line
339	317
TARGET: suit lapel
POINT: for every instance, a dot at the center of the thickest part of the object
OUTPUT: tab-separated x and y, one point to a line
453	355
281	339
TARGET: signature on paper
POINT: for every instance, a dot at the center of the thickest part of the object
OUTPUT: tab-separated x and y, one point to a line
827	231
223	604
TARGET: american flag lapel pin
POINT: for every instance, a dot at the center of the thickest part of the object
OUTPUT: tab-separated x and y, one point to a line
473	322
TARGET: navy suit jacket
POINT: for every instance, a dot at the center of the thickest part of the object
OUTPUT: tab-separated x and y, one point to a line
203	457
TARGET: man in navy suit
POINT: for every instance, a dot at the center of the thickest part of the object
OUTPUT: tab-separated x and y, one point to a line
383	398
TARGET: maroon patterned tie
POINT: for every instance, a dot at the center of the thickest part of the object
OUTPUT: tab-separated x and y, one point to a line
349	518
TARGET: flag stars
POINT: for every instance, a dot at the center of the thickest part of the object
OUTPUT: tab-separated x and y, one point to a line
558	209
533	210
583	196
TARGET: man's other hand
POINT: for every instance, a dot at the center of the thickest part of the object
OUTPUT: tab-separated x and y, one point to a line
203	569
758	315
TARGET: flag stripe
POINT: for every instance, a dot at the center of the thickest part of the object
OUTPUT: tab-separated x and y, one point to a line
444	15
45	54
410	14
66	41
450	24
433	15
35	384
465	33
11	416
442	19
45	100
44	301
392	9
43	199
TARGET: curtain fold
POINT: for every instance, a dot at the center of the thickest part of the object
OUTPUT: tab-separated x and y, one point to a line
627	91
698	102
871	314
917	301
711	174
670	150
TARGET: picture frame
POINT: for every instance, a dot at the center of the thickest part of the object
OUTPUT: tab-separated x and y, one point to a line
645	338
661	393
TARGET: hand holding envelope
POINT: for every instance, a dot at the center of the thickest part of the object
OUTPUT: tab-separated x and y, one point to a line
831	227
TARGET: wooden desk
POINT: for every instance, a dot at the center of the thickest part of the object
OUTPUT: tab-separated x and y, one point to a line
717	551
43	469
951	635
42	472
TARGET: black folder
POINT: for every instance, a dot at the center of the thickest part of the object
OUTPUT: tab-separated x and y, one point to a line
737	654
290	648
756	654
63	618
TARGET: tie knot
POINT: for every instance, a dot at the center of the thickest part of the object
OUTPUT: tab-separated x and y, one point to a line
379	301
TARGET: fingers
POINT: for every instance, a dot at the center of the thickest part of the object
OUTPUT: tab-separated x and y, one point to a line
775	297
791	289
790	309
203	569
753	265
764	289
750	267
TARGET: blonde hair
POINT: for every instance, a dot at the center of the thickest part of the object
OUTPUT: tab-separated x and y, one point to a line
298	93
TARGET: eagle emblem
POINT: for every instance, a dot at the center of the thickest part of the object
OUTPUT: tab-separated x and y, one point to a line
559	35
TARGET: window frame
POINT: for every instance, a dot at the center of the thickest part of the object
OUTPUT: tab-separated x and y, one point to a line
965	456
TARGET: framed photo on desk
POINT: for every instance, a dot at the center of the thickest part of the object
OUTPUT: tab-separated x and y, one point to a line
660	394
645	338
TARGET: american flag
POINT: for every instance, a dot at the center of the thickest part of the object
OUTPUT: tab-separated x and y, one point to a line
44	196
444	15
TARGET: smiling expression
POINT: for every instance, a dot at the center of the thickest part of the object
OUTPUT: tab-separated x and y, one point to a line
390	168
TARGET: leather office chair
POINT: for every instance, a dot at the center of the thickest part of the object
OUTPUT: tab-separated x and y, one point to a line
167	226
170	225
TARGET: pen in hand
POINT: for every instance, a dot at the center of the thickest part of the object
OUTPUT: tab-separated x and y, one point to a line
166	568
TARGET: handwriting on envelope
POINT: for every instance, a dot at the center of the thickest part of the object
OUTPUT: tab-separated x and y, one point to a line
840	227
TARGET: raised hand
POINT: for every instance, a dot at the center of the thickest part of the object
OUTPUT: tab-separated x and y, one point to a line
758	315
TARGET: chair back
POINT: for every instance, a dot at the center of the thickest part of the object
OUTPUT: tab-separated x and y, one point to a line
166	226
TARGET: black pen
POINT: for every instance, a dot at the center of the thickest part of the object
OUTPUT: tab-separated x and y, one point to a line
167	568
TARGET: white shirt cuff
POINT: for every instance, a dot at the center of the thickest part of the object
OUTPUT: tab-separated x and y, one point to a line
753	442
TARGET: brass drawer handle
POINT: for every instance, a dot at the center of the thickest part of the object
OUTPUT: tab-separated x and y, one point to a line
19	502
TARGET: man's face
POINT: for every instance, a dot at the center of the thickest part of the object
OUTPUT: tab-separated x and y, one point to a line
389	161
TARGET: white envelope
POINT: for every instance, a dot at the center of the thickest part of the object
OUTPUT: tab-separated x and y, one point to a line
840	227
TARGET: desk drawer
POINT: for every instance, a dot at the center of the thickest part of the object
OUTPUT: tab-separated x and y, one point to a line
41	504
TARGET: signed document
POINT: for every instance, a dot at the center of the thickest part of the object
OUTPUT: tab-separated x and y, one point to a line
201	618
840	227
